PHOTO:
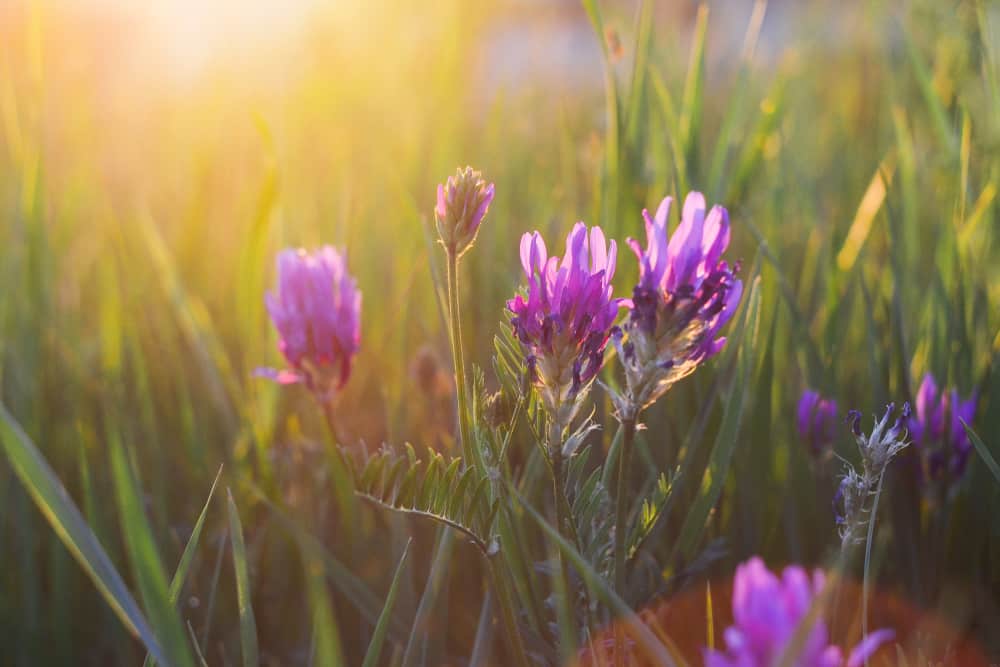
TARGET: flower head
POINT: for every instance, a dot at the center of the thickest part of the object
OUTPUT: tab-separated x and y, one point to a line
686	294
937	432
565	316
851	503
462	203
317	312
815	422
768	611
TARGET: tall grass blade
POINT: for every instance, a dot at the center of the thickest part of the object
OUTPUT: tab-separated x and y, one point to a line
983	450
248	625
57	507
647	641
382	627
145	560
725	442
180	575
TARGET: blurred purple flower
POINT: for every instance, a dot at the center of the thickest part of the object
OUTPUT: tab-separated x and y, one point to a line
768	612
816	422
686	294
937	432
317	312
462	203
564	318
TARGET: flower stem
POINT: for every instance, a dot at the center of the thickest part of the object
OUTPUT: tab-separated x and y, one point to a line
471	455
868	557
564	606
454	322
621	518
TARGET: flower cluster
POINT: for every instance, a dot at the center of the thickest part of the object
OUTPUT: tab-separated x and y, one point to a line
462	203
851	502
317	312
565	317
686	294
768	612
815	423
938	436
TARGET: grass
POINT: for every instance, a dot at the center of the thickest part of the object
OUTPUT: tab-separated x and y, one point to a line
858	154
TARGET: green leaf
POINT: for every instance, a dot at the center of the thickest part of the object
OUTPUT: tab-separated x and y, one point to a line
647	642
326	633
145	560
57	507
382	627
725	442
983	450
248	626
177	583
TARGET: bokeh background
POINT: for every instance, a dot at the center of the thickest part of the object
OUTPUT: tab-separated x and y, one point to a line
154	156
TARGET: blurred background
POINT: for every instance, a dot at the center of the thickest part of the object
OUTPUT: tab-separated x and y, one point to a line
154	157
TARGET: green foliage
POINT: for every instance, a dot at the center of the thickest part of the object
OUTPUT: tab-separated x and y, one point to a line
439	489
860	165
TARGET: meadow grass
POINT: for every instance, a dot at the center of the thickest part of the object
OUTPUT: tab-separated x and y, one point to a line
857	151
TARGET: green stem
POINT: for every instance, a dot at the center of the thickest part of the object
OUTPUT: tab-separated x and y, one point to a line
454	321
868	557
568	639
471	455
507	613
621	518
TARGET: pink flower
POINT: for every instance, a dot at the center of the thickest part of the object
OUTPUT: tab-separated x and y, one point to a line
686	294
564	318
317	312
768	612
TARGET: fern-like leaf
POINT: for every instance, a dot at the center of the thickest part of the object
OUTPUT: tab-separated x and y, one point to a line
437	489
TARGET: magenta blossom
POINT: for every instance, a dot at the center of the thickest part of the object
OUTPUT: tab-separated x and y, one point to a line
317	312
462	203
768	612
564	319
816	422
937	432
686	294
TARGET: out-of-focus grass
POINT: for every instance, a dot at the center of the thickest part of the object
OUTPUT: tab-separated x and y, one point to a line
857	152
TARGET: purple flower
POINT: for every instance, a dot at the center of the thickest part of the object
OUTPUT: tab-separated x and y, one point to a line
816	421
686	294
462	203
937	432
317	312
564	318
768	612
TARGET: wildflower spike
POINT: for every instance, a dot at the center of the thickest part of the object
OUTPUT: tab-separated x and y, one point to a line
815	421
564	317
462	203
686	294
940	441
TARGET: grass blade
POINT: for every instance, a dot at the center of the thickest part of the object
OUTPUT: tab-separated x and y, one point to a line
145	560
326	633
177	583
382	627
54	502
983	450
248	626
725	442
646	640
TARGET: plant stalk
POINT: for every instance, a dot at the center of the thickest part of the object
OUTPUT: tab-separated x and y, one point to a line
458	359
563	606
471	455
621	519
